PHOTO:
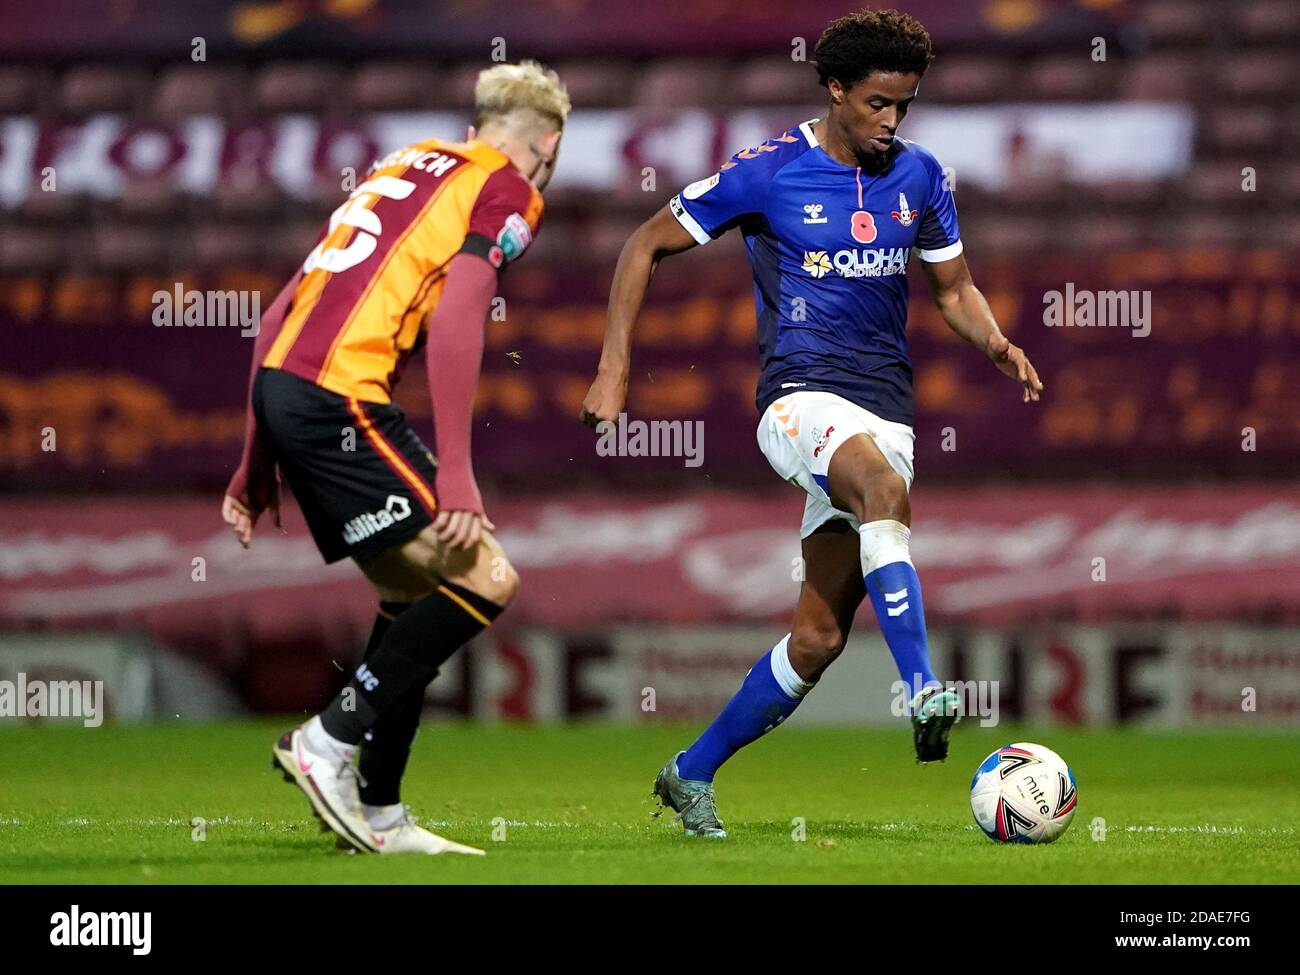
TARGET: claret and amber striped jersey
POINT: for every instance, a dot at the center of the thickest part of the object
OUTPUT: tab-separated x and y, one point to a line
366	289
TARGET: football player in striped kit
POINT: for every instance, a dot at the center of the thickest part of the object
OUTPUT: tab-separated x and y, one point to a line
411	258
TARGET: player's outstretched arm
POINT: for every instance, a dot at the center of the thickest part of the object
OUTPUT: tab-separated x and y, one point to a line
969	315
453	359
657	238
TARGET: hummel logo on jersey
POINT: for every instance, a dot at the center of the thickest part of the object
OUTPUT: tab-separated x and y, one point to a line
875	262
903	214
363	526
814	211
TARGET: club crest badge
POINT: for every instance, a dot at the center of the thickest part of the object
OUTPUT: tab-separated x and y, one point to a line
904	214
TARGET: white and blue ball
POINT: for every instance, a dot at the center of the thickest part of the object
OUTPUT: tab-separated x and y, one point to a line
1023	793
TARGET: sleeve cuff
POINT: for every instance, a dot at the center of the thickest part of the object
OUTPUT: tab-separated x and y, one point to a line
686	220
942	254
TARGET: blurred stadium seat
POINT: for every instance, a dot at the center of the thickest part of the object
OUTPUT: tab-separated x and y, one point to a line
1161	76
597	83
25	89
674	83
1067	77
385	86
316	87
768	81
1179	21
1269	20
89	88
200	89
972	78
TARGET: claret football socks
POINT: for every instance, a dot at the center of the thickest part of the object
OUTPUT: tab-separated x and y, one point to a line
417	642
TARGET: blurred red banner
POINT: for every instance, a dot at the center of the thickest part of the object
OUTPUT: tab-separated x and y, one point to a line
992	555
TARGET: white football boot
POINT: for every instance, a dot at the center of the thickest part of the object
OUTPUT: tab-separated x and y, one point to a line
406	836
329	780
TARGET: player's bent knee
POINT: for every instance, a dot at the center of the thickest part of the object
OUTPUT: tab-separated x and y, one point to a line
403	594
813	648
503	584
398	576
492	577
423	557
885	497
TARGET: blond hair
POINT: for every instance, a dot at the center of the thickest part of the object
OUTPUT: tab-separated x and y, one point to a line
508	88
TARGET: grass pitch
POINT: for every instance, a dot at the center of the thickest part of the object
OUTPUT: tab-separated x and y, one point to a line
115	805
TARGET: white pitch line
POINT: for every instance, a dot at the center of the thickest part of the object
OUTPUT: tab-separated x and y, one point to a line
1210	828
292	823
287	824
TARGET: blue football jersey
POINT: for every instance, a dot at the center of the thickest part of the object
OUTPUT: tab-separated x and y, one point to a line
829	245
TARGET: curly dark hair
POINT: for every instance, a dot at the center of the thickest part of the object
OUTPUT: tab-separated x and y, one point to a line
871	40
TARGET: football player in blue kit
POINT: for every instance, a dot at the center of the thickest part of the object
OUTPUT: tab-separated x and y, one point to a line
831	211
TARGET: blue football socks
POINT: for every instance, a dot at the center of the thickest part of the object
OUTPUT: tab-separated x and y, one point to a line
760	705
895	592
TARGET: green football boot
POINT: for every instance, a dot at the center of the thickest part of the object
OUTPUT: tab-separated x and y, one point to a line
692	801
934	711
